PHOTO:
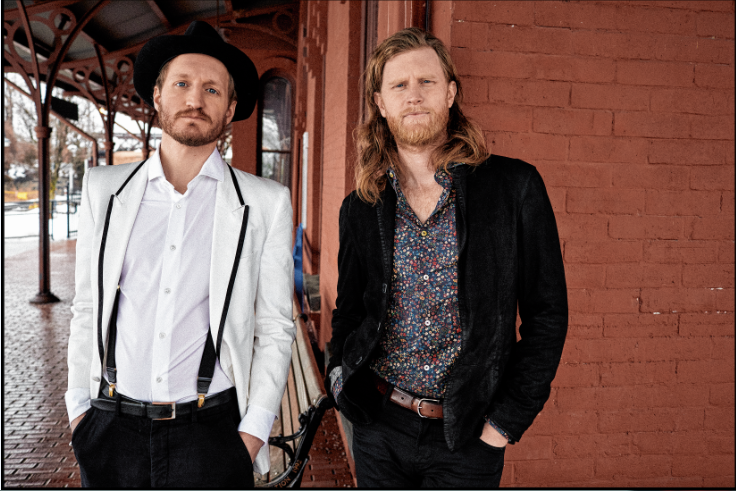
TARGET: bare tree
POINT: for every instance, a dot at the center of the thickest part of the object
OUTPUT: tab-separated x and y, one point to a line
68	148
19	121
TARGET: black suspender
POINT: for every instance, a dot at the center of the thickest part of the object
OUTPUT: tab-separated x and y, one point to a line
101	290
112	336
211	352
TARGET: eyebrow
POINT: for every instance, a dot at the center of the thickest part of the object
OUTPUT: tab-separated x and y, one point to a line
403	79
187	76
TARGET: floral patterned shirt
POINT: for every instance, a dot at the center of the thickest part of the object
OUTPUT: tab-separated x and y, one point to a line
422	338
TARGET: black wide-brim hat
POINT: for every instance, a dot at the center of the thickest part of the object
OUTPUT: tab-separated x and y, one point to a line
199	38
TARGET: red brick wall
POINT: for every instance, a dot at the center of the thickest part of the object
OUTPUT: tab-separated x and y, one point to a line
627	110
308	117
341	110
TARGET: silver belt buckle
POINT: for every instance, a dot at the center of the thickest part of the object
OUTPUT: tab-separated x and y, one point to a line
419	407
173	410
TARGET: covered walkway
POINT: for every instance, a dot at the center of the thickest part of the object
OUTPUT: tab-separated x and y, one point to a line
36	435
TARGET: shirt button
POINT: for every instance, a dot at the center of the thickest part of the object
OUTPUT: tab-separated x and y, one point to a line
173	247
168	290
178	205
162	335
426	323
426	277
426	368
158	379
424	233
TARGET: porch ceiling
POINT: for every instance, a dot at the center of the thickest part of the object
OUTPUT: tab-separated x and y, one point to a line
119	29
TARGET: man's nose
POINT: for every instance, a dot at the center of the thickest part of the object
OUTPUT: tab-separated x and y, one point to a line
195	98
414	94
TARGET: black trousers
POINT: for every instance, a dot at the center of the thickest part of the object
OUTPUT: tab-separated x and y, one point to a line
133	452
402	450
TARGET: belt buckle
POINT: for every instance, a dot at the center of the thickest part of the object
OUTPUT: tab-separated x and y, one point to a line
419	407
173	410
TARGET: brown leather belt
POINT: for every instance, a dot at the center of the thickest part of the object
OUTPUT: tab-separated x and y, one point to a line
424	407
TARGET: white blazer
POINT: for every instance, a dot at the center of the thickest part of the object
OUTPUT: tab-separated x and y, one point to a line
258	331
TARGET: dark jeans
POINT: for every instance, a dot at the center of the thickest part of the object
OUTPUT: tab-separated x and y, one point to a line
133	452
402	450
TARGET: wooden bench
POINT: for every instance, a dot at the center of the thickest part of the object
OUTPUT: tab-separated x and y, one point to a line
302	407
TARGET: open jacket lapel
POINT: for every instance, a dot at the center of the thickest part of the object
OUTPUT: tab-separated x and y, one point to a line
225	234
124	211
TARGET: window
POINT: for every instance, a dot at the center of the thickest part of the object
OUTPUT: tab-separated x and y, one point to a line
276	131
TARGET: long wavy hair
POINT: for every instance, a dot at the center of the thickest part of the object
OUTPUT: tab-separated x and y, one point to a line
376	147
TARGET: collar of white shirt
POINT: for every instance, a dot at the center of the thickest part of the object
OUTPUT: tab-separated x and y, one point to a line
213	167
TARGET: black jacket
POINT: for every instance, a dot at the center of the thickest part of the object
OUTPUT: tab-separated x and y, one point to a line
509	253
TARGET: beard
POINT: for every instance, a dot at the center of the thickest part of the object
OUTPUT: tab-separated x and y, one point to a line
419	134
190	135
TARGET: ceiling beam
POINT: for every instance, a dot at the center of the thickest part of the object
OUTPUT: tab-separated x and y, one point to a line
92	40
160	14
245	13
48	6
38	7
265	30
133	50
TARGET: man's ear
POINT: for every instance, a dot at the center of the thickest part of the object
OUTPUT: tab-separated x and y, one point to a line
156	97
231	111
451	92
379	102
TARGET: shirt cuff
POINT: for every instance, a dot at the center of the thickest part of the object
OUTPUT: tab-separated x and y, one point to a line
498	429
336	381
77	402
257	422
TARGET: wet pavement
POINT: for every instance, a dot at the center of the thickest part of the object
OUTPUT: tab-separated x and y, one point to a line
36	434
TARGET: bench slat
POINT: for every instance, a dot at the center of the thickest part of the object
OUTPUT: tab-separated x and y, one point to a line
293	414
312	377
301	387
303	396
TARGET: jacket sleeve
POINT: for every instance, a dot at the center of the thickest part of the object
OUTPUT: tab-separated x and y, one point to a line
81	335
274	327
542	300
351	284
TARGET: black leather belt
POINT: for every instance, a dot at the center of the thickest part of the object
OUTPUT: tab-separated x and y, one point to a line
160	410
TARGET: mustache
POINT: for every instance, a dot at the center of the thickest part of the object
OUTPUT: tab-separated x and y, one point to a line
419	109
196	113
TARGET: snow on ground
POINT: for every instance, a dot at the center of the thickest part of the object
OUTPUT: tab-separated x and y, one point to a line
21	229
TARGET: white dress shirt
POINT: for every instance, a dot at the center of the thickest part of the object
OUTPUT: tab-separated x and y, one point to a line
163	314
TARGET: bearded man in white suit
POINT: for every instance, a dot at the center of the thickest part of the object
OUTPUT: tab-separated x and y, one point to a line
181	338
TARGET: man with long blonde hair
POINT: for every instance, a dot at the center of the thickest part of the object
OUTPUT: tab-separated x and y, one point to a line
439	245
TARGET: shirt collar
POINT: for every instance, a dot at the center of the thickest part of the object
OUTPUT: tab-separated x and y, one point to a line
213	167
440	176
